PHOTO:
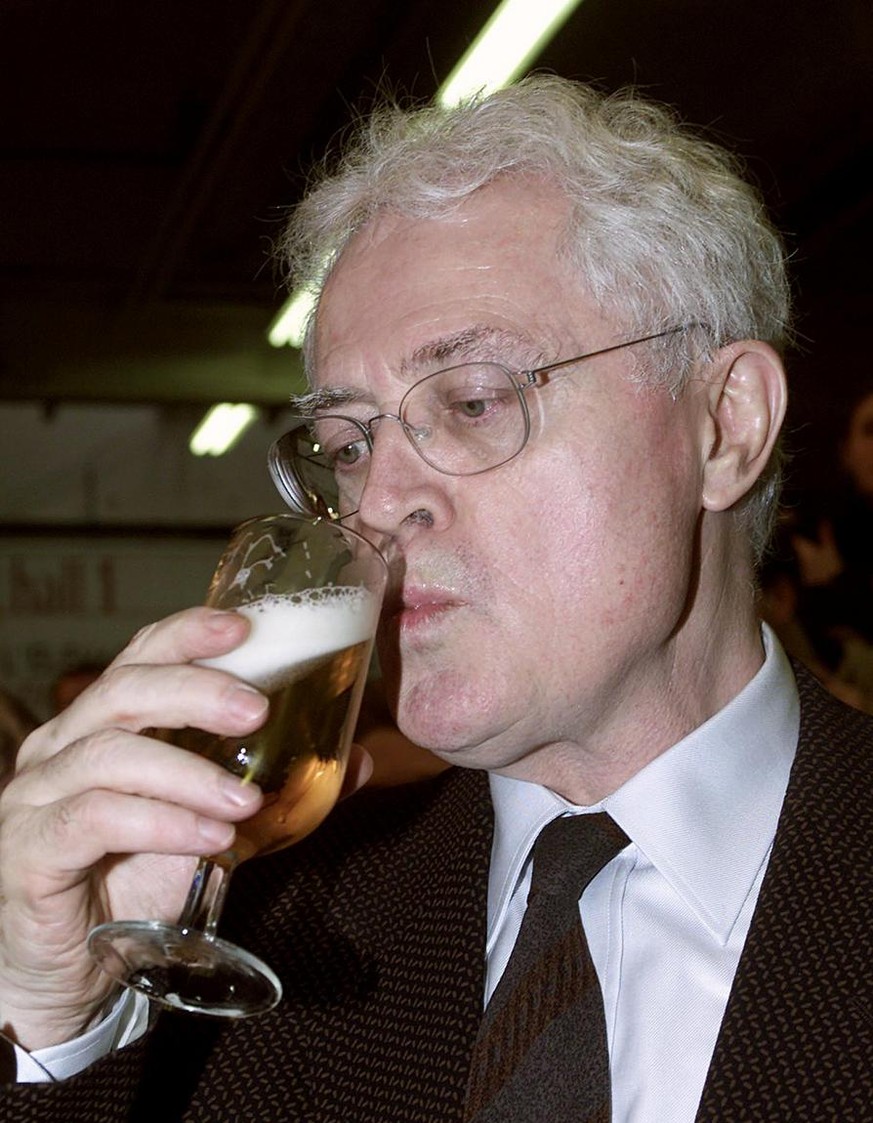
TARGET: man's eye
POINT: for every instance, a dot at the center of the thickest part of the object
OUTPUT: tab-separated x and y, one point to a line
347	455
482	404
472	407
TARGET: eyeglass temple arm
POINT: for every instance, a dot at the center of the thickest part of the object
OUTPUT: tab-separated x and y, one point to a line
530	377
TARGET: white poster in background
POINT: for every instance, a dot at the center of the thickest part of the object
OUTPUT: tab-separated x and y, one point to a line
66	601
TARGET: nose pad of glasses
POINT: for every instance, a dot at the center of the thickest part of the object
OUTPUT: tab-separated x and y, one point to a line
418	434
413	432
389	482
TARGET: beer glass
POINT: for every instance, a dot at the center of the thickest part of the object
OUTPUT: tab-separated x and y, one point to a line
312	591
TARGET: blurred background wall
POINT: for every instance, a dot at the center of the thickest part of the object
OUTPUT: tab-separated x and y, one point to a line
148	153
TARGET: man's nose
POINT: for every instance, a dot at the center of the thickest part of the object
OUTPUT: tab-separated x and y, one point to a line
399	482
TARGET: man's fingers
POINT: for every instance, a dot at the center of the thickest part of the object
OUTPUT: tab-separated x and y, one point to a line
358	770
195	633
153	684
69	837
113	759
135	697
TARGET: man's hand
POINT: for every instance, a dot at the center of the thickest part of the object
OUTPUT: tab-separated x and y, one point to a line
818	558
103	822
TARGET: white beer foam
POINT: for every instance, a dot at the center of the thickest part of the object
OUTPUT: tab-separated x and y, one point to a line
297	629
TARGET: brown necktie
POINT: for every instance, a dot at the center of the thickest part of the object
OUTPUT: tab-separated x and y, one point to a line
541	1053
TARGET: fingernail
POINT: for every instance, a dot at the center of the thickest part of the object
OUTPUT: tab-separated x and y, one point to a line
246	704
220	620
219	835
239	794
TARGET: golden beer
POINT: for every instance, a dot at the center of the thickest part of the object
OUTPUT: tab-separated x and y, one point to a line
308	652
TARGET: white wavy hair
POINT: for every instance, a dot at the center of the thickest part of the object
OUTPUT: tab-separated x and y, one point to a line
664	229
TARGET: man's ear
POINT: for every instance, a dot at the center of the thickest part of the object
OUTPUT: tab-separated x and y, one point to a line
746	408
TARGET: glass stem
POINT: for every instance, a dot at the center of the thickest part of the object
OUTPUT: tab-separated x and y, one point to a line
206	896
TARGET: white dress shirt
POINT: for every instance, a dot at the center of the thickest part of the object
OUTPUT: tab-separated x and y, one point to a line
666	920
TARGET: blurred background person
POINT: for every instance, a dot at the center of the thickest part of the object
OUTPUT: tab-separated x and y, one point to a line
779	596
833	545
70	683
16	721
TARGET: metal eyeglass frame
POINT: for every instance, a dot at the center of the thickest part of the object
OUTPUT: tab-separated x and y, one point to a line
292	489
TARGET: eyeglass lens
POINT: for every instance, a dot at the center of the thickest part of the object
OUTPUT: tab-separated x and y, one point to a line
461	421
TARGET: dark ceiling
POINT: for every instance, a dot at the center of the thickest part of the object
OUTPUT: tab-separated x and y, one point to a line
149	149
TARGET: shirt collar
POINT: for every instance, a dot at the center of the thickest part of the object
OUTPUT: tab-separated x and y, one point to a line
704	812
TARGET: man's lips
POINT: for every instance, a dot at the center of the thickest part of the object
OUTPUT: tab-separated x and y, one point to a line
418	606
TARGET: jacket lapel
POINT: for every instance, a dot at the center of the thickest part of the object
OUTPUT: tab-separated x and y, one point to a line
797	1037
376	925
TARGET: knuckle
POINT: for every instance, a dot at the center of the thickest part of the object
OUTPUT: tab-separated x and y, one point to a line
69	822
139	641
30	748
125	696
7	809
86	761
93	752
100	688
112	688
149	642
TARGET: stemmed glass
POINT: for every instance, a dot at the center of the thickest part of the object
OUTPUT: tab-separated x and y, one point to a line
312	590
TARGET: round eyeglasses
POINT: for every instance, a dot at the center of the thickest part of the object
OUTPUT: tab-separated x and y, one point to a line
461	421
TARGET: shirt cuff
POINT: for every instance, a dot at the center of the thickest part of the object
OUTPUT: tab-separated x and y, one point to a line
125	1023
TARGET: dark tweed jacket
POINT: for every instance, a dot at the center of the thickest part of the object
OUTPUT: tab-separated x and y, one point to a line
377	927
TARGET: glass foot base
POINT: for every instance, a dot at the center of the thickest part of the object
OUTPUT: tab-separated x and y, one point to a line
184	970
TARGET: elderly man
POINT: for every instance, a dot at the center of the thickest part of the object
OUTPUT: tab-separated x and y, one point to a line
545	369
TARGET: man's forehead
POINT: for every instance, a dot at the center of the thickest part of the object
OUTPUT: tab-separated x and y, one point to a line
410	295
480	341
501	225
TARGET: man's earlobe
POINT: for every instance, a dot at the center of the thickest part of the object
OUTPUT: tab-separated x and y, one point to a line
747	407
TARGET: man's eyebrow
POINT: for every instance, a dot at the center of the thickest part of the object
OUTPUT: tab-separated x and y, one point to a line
308	405
482	341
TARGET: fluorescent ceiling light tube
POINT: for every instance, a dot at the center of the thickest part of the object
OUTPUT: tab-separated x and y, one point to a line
511	39
507	44
290	322
221	427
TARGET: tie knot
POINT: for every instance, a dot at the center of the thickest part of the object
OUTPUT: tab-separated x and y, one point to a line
571	850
